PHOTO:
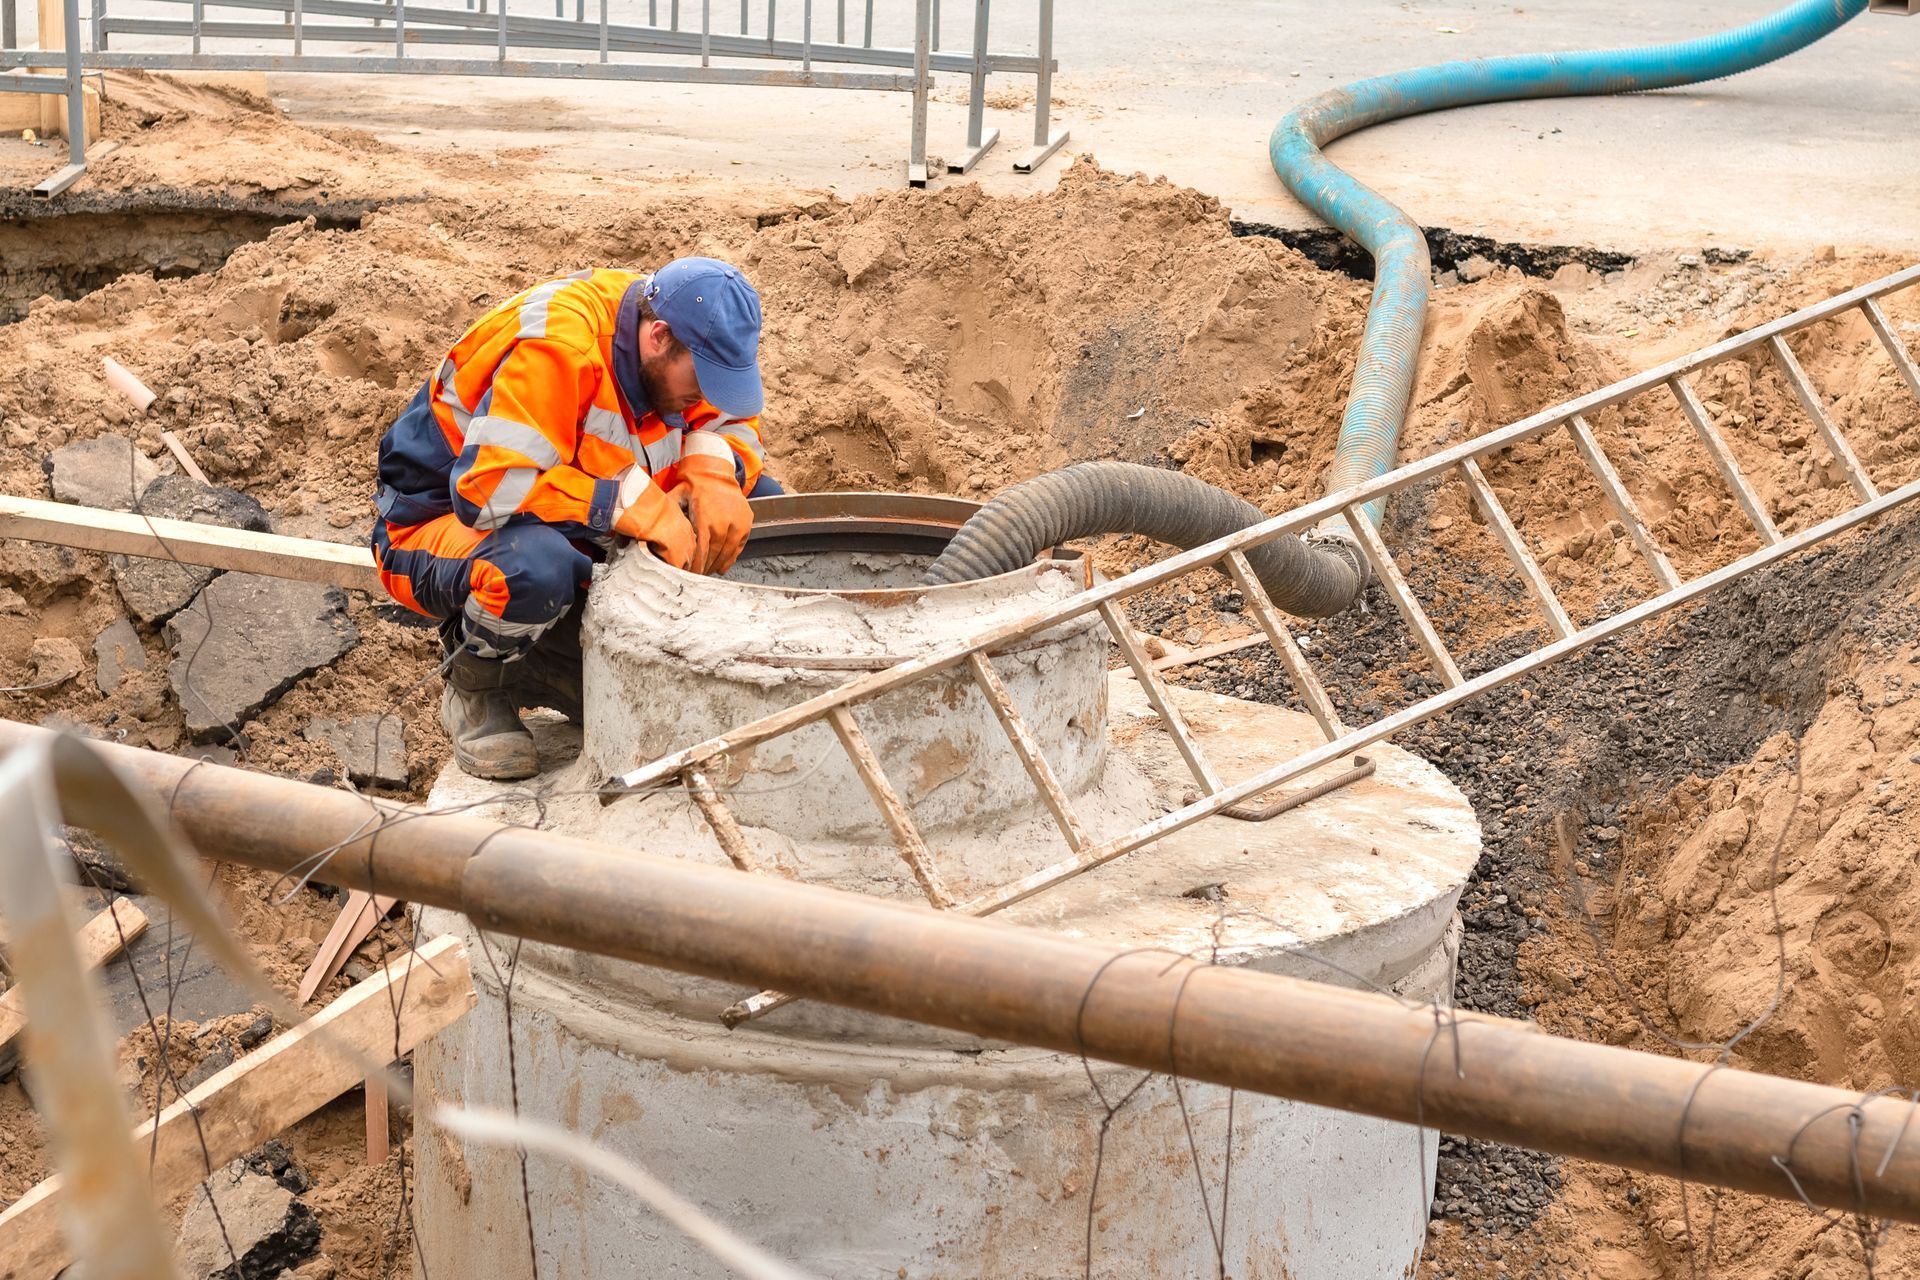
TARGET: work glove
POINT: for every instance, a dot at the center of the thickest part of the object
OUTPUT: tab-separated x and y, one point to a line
645	514
716	508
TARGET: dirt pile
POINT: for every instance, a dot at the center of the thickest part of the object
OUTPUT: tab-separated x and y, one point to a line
954	342
1777	896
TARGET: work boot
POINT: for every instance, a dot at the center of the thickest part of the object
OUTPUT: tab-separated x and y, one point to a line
549	676
476	707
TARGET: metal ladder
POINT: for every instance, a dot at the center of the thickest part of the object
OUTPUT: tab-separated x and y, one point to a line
691	765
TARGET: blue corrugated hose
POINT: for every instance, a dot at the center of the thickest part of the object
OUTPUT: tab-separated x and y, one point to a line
1390	346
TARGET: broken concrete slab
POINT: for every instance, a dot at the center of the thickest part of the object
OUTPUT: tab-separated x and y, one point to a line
154	589
175	972
55	659
245	640
373	749
259	1231
40	574
117	653
106	471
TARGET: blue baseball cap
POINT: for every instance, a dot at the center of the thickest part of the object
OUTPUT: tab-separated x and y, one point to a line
713	310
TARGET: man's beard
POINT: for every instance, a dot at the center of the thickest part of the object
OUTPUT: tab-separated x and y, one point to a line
653	383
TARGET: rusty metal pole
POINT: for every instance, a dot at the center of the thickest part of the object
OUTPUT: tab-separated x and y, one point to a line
1488	1077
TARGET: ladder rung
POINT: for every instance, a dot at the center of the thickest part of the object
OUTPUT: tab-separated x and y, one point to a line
1031	757
1403	598
1305	683
1621	501
1516	549
1902	358
726	828
1156	691
1803	390
913	849
1723	460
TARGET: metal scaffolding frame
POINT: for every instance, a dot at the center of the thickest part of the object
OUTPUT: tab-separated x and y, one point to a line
586	46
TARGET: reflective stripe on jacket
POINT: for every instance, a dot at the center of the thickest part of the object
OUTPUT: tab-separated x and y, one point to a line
538	408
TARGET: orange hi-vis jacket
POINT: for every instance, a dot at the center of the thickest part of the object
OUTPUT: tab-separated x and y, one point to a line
536	411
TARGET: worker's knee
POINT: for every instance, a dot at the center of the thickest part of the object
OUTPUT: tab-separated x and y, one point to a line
541	571
525	579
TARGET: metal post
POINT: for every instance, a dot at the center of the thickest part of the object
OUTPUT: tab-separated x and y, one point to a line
673	13
503	27
1044	144
400	27
806	37
867	39
98	34
936	24
977	145
603	30
300	19
743	17
9	24
1374	1054
199	11
706	33
76	92
840	22
922	35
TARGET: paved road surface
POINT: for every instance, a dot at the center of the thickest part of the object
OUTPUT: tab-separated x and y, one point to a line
1821	148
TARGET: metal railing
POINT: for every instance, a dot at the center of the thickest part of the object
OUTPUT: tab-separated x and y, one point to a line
596	45
694	765
67	60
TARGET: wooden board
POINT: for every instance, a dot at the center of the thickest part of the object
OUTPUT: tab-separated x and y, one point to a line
99	942
95	529
279	1084
356	920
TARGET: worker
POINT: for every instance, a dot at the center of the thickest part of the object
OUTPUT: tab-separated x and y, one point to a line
584	413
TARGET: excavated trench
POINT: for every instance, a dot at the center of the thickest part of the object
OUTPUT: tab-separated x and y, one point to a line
1586	744
1574	767
70	255
1331	250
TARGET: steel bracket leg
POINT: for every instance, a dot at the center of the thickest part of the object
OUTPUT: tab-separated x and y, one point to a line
973	155
1035	156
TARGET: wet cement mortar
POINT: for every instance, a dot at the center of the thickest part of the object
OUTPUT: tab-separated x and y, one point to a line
1586	737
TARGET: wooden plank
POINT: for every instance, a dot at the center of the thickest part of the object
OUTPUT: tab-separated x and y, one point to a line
184	458
128	533
377	1137
1180	656
356	920
284	1081
98	942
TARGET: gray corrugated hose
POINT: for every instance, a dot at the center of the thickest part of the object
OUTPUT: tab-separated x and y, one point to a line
1307	579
